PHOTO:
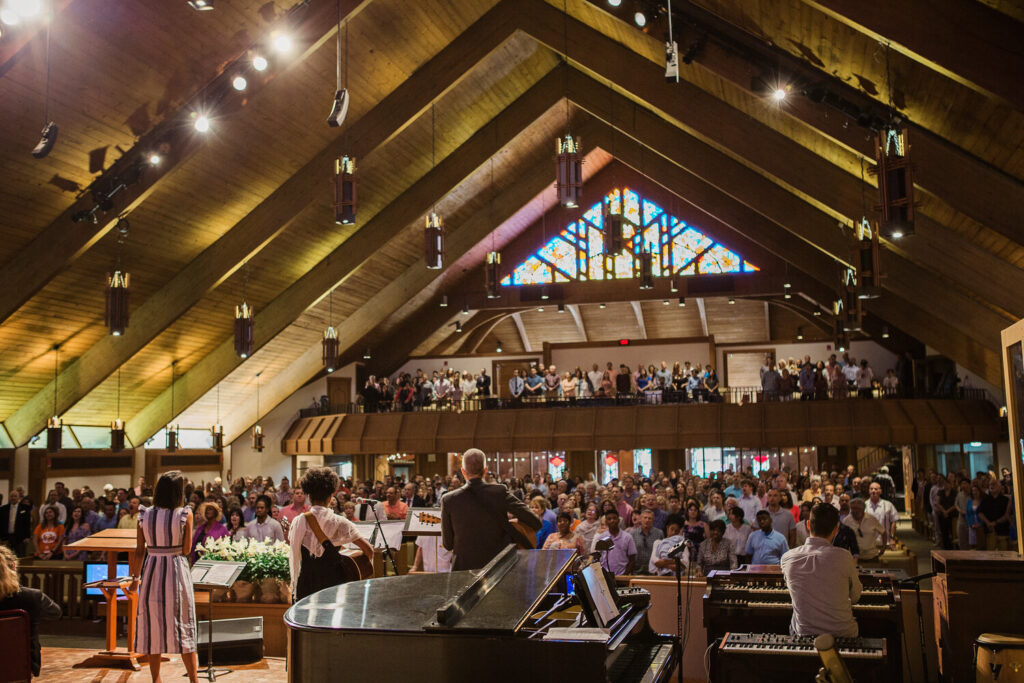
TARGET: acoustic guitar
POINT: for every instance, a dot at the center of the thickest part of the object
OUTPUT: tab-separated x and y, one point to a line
355	565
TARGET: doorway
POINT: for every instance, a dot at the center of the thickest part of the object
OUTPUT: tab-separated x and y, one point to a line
743	368
339	393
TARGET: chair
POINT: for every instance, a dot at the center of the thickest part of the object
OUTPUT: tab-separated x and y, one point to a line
16	635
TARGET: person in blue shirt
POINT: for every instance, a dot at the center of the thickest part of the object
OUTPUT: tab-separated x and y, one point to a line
516	385
766	546
547	527
534	384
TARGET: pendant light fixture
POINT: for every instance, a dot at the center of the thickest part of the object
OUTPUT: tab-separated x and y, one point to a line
345	190
569	168
434	225
869	275
895	172
492	268
117	426
217	430
330	342
340	107
117	294
171	433
55	425
49	135
257	430
611	209
244	324
646	268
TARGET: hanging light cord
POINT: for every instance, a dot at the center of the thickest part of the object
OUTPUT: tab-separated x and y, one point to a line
565	59
218	402
338	47
56	378
118	393
46	98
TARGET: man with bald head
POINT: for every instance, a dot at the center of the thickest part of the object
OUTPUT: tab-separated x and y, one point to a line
474	517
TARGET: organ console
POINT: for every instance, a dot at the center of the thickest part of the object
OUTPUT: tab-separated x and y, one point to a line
755	599
771	658
512	620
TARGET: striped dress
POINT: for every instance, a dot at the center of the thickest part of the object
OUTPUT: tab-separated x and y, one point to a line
167	609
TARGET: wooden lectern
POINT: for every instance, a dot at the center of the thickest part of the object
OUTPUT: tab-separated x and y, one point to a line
112	542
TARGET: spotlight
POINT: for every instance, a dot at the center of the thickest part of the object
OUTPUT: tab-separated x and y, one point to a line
614	3
465	309
787	295
640	19
9	16
259	63
672	286
46	142
799	334
444	301
786	285
817	314
27	9
282	43
458	326
896	234
779	94
885	333
603	306
561	308
499	346
339	109
202	123
155	159
682	302
665	302
732	301
540	309
544	293
239	83
366	354
201	5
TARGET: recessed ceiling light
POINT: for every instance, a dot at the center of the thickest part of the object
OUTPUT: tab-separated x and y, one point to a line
282	43
202	123
239	83
259	62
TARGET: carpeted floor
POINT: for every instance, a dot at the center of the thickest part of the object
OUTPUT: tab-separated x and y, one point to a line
61	664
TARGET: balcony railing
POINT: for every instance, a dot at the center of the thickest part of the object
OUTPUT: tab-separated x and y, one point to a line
732	395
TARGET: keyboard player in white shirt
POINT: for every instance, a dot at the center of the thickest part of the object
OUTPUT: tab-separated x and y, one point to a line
822	580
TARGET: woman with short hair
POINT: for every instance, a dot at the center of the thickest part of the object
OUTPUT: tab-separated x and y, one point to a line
33	601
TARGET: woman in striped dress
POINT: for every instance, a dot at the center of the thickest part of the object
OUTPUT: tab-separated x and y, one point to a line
167	611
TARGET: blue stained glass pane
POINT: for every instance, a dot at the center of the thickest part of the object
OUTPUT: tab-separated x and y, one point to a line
507	280
651	211
718	259
594	215
532	271
561	254
632	208
595	243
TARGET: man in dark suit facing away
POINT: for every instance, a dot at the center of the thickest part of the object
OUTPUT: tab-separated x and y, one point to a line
15	523
474	518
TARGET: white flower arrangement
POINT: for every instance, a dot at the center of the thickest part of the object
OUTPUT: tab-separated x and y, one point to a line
262	559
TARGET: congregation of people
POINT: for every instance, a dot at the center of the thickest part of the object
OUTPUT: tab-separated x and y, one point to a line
448	388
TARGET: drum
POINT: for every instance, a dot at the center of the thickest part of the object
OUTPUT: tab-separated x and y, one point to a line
999	658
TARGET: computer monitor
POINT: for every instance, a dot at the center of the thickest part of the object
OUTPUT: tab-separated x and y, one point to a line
598	596
97	571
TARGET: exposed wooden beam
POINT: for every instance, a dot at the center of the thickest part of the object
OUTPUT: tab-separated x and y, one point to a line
638	311
968	42
60	243
942	169
523	337
574	309
269	219
703	315
478	335
357	251
829	192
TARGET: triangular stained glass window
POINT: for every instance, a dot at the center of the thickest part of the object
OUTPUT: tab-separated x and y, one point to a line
577	252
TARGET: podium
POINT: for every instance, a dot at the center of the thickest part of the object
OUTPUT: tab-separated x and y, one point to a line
112	542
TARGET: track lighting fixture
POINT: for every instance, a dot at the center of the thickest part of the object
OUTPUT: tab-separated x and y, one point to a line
885	333
201	5
779	94
444	301
682	302
201	123
259	63
465	309
544	294
640	18
239	83
366	354
458	326
561	308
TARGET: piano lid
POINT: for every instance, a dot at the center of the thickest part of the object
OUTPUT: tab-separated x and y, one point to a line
409	603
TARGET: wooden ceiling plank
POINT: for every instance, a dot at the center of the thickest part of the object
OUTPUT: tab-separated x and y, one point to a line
574	309
60	243
638	311
943	169
523	337
357	250
792	165
353	335
268	220
968	42
15	47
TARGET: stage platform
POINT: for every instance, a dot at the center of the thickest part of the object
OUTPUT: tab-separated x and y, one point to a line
62	664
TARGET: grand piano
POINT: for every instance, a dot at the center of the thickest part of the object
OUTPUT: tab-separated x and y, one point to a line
511	620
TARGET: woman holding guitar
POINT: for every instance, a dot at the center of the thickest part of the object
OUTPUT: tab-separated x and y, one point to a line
317	537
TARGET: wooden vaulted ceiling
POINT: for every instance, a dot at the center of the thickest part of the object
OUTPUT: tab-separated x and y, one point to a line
247	207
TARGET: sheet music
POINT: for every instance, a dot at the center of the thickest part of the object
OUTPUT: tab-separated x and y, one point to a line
199	573
599	635
220	574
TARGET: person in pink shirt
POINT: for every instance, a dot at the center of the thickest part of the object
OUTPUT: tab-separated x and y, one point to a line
298	506
393	507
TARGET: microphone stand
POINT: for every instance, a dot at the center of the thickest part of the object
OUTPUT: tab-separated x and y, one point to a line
679	616
387	548
916	580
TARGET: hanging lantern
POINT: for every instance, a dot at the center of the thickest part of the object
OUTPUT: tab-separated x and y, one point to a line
116	316
117	436
869	276
556	461
646	269
54	434
257	438
330	349
243	330
612	221
434	234
569	172
611	460
852	312
492	274
171	437
217	437
895	182
345	190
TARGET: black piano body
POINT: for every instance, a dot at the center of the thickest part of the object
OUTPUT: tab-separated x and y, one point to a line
366	629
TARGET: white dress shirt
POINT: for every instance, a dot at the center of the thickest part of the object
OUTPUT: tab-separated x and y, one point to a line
869	535
823	583
883	511
269	530
738	536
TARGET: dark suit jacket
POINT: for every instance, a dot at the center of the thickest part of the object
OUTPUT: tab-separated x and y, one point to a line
471	523
417	502
22	525
38	606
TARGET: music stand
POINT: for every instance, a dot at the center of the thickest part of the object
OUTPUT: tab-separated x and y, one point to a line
209	575
424	522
